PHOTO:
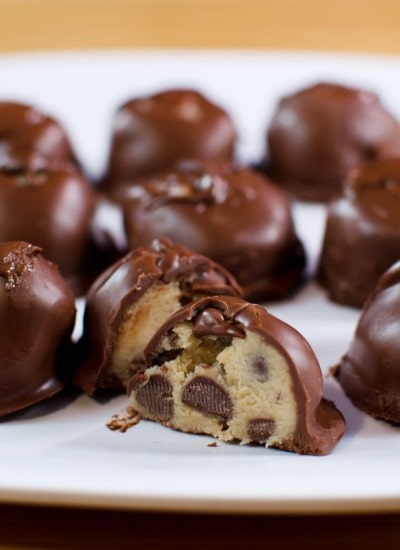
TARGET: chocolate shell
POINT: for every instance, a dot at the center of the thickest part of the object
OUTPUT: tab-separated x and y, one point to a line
227	368
228	213
362	235
131	299
26	134
153	133
321	132
51	207
370	371
37	314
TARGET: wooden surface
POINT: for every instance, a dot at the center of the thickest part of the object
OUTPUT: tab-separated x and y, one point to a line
345	25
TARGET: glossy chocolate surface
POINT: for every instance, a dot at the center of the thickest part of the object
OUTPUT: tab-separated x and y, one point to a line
319	424
37	314
370	370
153	133
27	134
319	133
52	208
124	283
362	236
230	214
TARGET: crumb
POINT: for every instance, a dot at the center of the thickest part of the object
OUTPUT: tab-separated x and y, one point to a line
123	421
213	444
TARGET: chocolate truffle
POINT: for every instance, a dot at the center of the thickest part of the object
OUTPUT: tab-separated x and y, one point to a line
52	208
128	303
370	371
230	214
153	133
318	134
362	235
227	368
26	133
37	314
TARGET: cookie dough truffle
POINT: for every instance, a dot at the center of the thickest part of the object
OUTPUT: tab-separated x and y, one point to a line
362	235
370	371
50	206
37	314
318	134
230	214
153	133
27	133
224	367
130	301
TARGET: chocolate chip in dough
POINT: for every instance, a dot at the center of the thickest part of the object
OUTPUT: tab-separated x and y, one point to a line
260	369
156	397
260	429
208	397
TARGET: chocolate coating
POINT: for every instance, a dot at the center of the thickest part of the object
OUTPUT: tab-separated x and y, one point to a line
321	132
27	134
37	314
230	214
319	423
124	283
362	235
153	133
52	208
370	371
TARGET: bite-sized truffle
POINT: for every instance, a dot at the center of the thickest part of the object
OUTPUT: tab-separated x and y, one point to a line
37	314
224	367
51	207
319	133
370	371
153	133
228	213
362	235
129	302
26	133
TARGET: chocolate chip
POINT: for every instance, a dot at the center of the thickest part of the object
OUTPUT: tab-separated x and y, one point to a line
260	369
260	429
208	397
155	396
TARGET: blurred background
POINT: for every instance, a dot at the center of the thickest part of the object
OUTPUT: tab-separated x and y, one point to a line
340	25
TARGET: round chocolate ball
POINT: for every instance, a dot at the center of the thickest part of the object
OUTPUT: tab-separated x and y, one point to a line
370	371
362	235
319	133
52	208
230	214
26	133
153	133
37	314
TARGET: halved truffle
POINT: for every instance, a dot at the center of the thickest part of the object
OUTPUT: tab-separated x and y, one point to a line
37	315
224	367
370	371
129	302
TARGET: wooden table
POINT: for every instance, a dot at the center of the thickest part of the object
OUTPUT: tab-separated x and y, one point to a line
366	26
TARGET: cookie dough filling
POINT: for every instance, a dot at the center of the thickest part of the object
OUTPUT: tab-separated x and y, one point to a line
216	367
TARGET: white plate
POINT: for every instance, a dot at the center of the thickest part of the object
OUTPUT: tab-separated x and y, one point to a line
61	452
